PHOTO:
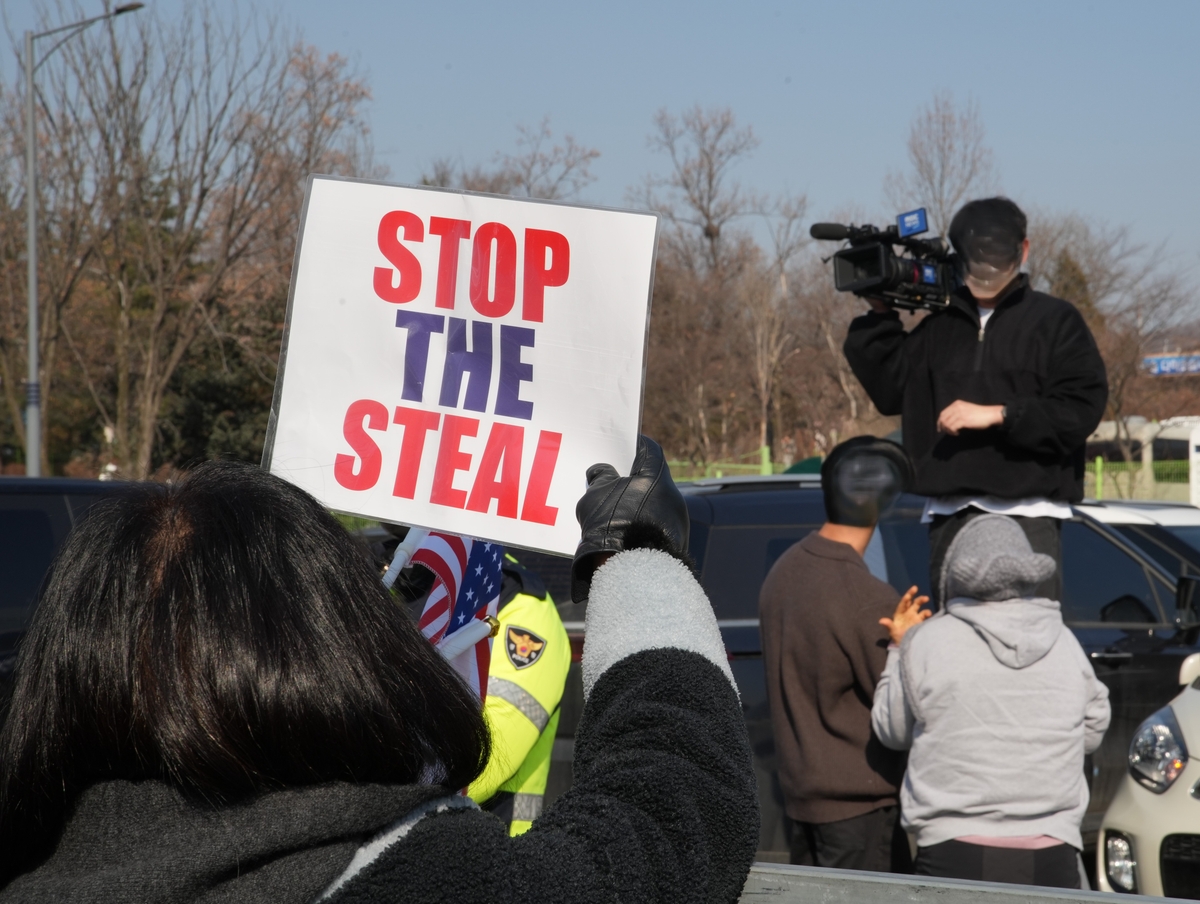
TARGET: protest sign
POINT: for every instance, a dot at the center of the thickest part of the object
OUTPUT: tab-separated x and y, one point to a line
456	361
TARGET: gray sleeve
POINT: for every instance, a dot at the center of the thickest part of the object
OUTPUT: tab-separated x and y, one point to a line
644	599
892	716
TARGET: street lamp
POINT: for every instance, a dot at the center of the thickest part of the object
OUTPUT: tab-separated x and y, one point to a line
33	387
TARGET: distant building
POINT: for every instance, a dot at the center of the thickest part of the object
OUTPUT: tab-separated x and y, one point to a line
1165	440
1174	365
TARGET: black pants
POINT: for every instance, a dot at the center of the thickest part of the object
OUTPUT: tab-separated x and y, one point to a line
873	841
1044	535
1056	867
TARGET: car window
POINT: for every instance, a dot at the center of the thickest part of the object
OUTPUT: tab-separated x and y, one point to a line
875	557
737	561
1188	533
906	549
31	529
1103	583
79	503
1170	551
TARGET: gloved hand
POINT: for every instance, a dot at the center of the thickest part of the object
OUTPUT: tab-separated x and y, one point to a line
643	510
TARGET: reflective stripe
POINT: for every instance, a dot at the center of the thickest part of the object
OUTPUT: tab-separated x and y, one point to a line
526	807
524	701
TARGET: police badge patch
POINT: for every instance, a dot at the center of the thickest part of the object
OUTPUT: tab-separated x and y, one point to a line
523	646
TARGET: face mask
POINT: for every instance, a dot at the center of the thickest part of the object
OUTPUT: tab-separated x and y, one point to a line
985	279
988	259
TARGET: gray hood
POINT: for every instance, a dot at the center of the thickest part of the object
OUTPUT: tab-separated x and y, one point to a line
990	559
988	577
1019	632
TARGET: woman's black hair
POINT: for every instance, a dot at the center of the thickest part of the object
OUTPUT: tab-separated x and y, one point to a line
228	636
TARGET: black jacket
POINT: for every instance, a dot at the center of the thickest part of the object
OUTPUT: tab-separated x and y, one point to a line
1036	356
663	808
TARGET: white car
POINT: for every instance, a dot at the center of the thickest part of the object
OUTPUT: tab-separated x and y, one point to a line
1150	836
1163	529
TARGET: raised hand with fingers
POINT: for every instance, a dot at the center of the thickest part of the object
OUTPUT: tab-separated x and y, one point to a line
908	615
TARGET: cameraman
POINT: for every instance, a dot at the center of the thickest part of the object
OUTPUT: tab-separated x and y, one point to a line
998	392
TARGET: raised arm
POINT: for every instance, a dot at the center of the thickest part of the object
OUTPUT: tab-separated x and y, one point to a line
664	805
875	350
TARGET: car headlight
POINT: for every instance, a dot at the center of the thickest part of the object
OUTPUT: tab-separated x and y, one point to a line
1157	754
1119	865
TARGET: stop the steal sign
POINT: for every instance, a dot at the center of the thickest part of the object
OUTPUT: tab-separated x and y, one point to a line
457	361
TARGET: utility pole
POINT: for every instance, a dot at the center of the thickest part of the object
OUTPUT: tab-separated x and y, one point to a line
33	386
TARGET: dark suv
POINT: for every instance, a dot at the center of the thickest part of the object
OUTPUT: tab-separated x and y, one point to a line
35	516
1119	592
1118	598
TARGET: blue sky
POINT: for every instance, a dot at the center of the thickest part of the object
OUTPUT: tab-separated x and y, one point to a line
1090	106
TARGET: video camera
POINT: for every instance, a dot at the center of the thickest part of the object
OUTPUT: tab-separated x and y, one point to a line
870	265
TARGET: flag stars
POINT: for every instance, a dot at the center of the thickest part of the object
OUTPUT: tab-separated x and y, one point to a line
479	582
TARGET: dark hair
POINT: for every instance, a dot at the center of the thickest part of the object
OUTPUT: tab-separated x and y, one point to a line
861	479
225	635
989	231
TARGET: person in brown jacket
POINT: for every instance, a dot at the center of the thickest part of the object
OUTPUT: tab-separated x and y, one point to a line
825	624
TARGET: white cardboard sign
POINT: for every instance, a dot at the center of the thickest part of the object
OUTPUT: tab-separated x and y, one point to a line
457	361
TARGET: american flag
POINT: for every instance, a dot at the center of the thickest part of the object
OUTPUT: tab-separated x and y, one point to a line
468	573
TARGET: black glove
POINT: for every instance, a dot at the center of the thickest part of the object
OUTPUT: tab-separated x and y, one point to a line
642	511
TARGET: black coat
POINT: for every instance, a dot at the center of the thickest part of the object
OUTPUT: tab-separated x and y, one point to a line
663	808
1036	356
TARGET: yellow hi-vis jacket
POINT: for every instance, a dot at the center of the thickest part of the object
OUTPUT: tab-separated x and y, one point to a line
530	659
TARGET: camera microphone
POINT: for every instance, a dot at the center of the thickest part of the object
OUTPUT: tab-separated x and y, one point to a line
871	266
829	232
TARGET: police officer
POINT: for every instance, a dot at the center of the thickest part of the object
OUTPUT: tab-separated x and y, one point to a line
530	659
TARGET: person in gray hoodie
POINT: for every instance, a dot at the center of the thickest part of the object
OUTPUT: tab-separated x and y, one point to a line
998	705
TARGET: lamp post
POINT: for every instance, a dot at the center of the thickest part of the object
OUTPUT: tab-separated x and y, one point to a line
33	386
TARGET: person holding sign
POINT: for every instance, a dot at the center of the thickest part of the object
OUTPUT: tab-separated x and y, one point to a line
217	699
456	361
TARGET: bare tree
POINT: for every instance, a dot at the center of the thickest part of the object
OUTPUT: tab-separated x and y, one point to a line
542	169
198	129
707	266
539	168
827	314
699	196
1092	265
949	158
768	308
66	202
444	172
1129	295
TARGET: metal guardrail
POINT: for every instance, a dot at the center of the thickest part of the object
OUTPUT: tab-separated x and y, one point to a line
775	883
